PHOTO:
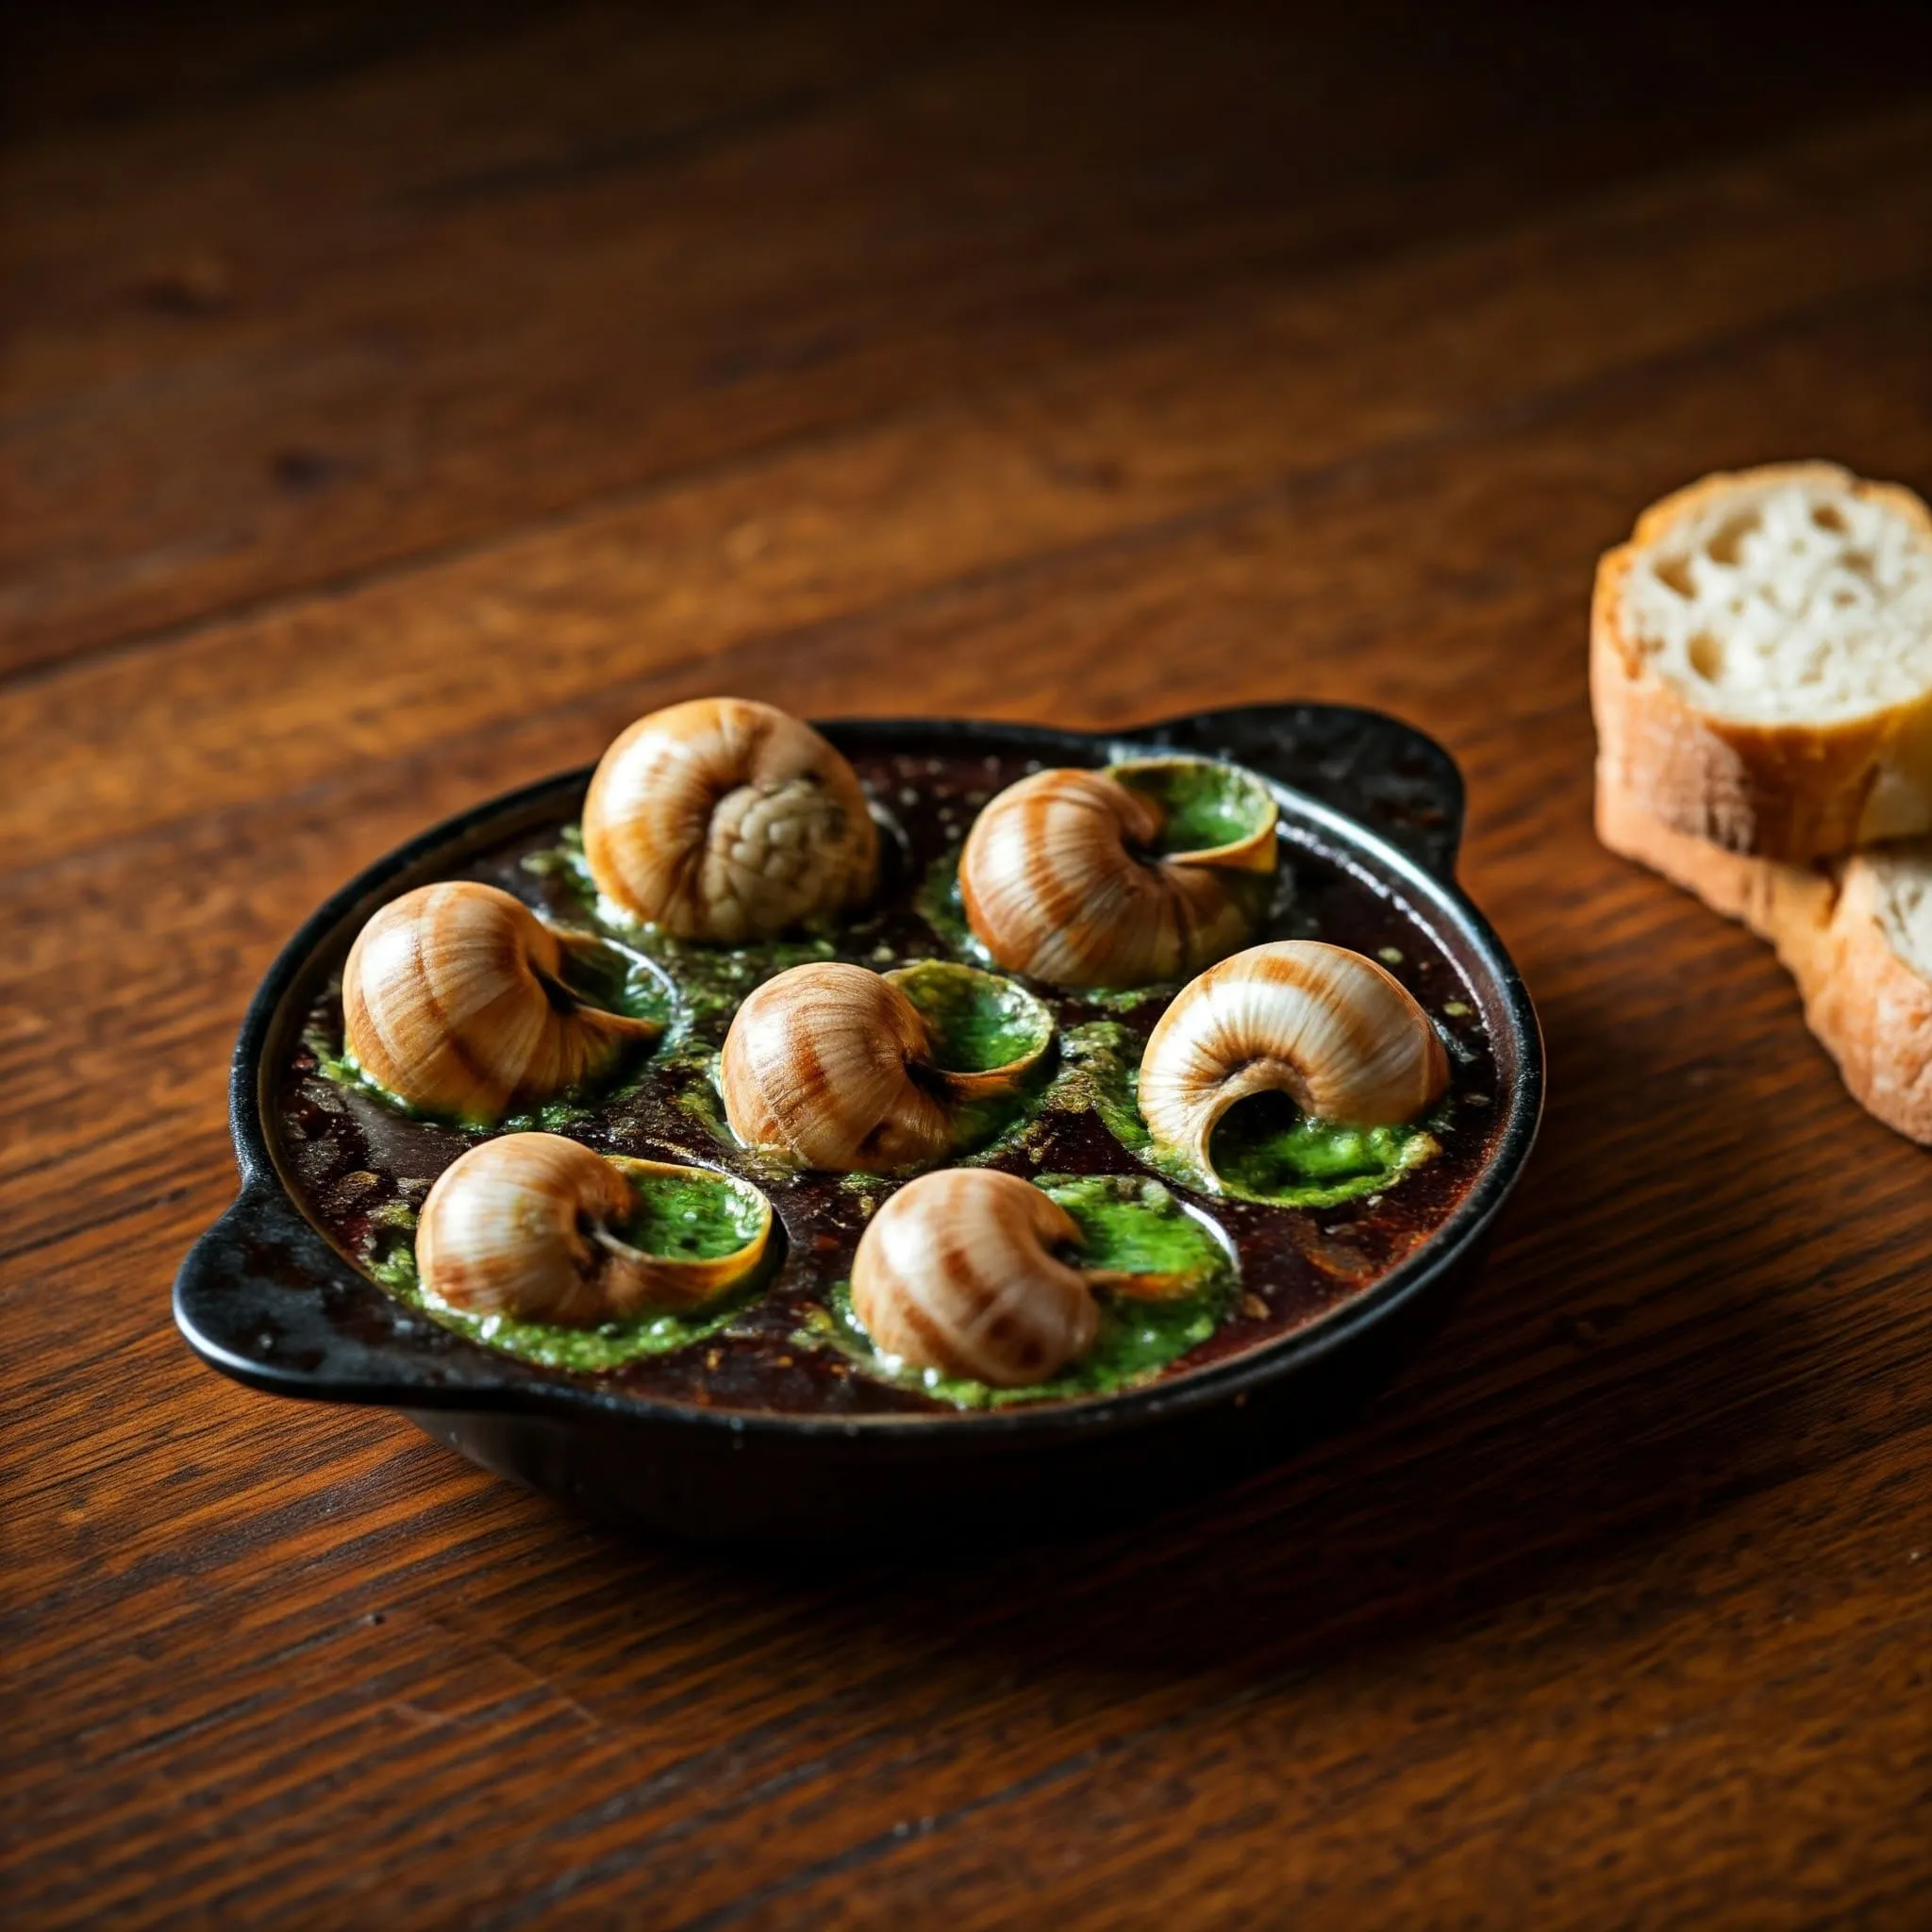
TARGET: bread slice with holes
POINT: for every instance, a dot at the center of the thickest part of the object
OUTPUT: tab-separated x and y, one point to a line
1856	934
1761	663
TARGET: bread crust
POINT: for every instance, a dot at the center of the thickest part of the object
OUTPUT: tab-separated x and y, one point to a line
1868	1008
1872	1010
1784	903
1784	791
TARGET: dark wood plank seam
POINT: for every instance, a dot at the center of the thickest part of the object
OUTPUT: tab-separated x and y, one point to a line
882	1844
668	147
747	459
70	1228
661	148
398	41
547	1898
1711	1501
1285	488
1888	1434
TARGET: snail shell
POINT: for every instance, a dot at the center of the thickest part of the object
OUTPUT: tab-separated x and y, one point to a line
1331	1029
957	1273
722	819
454	1000
832	1066
531	1225
819	1067
1060	882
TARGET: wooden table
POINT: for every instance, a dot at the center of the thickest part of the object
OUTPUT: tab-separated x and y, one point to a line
395	406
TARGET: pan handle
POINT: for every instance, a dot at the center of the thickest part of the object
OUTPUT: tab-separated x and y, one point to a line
262	1297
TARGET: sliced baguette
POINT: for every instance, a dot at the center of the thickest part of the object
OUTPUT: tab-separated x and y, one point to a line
1762	663
1856	934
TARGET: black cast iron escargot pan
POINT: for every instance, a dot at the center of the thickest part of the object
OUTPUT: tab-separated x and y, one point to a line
763	1422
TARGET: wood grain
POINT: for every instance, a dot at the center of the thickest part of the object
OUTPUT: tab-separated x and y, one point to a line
680	239
1091	367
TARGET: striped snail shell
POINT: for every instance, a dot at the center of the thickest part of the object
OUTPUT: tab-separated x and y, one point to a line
454	1000
835	1067
727	820
959	1272
1329	1028
534	1226
1062	878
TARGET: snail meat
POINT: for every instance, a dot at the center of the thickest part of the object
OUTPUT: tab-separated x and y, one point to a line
457	999
1145	872
842	1069
1333	1031
543	1229
726	820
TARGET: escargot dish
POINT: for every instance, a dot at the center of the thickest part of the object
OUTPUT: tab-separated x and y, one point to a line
725	820
976	1275
845	1070
1145	872
457	999
962	1271
882	1073
1333	1032
540	1228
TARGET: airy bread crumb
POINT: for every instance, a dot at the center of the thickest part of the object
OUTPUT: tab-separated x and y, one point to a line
1787	598
1762	663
